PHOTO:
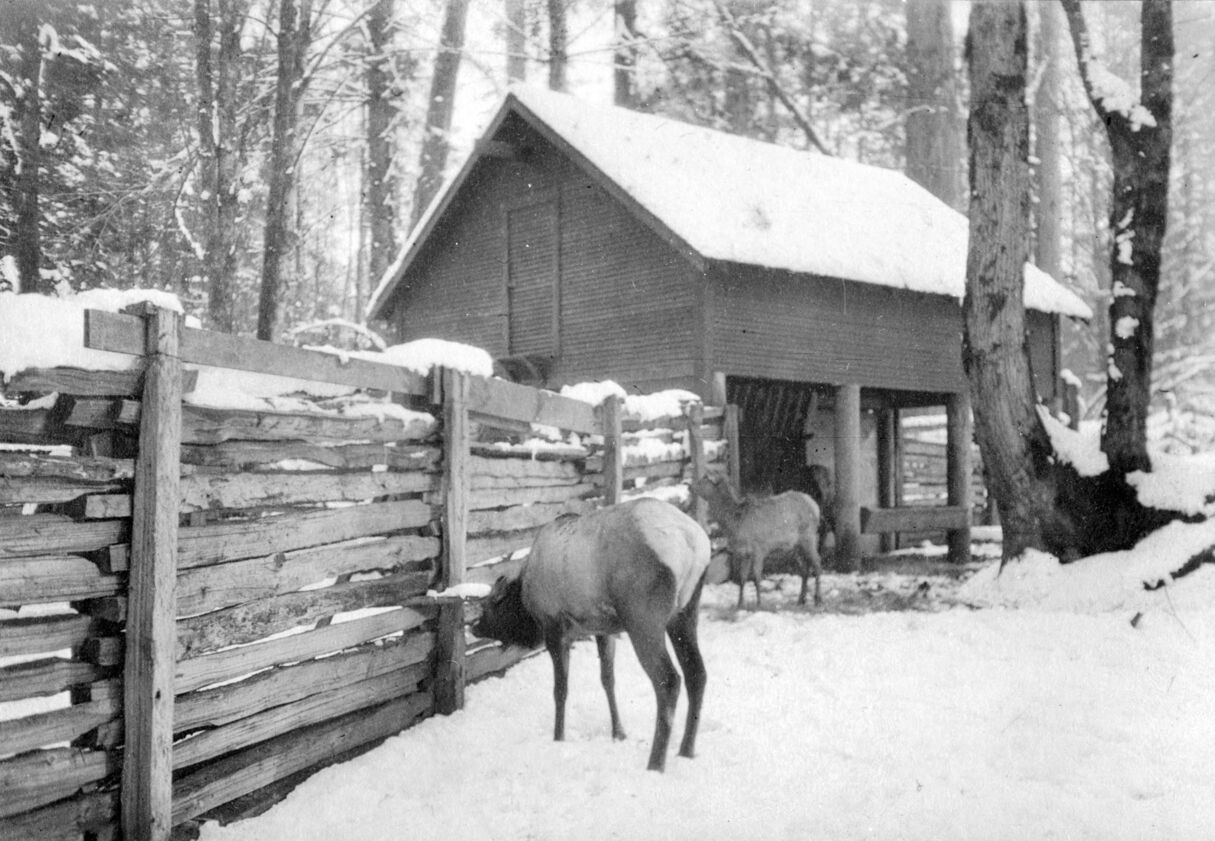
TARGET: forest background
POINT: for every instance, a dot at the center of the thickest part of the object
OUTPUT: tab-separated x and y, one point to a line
265	159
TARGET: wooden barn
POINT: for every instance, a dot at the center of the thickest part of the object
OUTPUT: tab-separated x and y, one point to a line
586	242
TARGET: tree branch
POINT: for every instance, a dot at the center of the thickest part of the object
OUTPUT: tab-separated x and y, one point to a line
752	55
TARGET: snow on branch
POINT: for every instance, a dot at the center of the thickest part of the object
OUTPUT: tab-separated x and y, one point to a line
1114	100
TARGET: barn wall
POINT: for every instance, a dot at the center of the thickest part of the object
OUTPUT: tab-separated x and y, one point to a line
627	301
1043	352
775	324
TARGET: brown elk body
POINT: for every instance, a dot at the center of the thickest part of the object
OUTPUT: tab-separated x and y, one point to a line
760	527
636	567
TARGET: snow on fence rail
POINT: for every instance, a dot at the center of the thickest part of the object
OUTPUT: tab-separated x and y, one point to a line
266	569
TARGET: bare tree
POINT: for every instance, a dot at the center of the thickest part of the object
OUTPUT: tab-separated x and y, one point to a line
1047	215
440	106
26	198
1140	133
624	75
558	45
293	38
382	113
933	147
516	41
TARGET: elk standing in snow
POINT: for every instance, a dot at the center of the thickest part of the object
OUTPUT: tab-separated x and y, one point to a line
758	528
636	567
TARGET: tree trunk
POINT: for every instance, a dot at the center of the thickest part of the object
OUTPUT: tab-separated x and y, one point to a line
625	64
26	186
294	35
220	155
1140	135
516	41
933	148
382	111
558	45
1047	240
439	110
1015	446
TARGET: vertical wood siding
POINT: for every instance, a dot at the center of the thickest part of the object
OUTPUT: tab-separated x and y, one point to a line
532	237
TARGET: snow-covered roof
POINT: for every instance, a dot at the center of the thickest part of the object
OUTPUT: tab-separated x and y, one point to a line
734	199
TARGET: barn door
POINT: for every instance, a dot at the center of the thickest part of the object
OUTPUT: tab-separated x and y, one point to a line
531	284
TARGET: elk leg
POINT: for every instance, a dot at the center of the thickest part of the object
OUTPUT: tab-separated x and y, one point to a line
559	650
651	647
682	631
607	676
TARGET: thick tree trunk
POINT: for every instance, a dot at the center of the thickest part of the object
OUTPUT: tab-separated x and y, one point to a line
435	146
27	249
558	45
381	184
294	35
1140	135
1015	446
933	147
625	56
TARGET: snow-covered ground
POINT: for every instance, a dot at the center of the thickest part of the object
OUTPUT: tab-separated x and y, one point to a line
932	720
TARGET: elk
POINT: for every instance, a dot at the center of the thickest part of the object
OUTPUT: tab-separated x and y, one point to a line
636	567
759	527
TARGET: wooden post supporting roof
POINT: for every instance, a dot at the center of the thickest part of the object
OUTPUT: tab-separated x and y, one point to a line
959	431
147	768
887	465
848	476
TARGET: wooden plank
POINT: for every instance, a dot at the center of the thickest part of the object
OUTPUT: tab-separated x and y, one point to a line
734	454
78	381
696	449
64	821
44	634
101	506
481	549
34	779
847	476
103	651
203	589
522	471
523	403
448	675
522	517
222	666
286	684
54	534
61	578
18	735
257	620
494	660
122	334
535	451
457	462
26	426
205	425
94	413
147	800
505	497
249	770
83	469
316	707
913	518
887	460
206	491
37	490
49	676
254	455
229	541
960	435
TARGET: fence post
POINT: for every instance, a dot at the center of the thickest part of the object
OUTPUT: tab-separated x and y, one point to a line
733	456
613	451
147	768
449	655
696	451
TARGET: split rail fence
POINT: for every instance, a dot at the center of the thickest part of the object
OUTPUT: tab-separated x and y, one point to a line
225	599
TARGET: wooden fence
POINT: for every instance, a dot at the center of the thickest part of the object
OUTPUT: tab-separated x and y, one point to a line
221	599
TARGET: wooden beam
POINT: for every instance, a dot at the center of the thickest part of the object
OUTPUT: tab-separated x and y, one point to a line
529	405
913	518
733	454
613	450
122	334
696	446
887	466
959	430
847	476
147	774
